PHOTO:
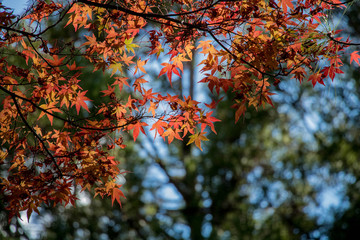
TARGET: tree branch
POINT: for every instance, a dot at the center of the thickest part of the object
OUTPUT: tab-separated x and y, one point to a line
18	31
143	15
341	42
37	136
337	4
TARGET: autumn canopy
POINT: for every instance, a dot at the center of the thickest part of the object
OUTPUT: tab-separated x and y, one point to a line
246	47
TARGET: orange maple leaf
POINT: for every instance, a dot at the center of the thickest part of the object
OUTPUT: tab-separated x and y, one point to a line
73	67
160	125
241	108
127	59
56	61
152	108
116	194
137	84
140	65
50	108
109	91
120	81
171	134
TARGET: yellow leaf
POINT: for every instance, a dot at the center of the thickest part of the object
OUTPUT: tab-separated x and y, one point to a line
197	138
2	155
116	67
50	109
129	45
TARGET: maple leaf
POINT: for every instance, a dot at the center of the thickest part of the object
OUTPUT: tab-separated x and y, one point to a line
316	78
188	50
138	126
56	60
32	207
178	62
197	138
91	40
3	155
115	67
169	69
138	82
171	134
354	56
120	81
126	59
299	73
140	65
158	50
119	111
266	96
80	101
111	33
285	4
129	45
116	194
331	71
152	108
73	67
208	121
109	91
207	47
133	31
160	125
241	108
50	108
213	103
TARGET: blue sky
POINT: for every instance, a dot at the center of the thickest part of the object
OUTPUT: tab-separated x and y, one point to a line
17	5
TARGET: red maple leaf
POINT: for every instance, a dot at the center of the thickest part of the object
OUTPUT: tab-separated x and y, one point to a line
80	102
285	4
169	69
330	71
316	78
355	57
139	126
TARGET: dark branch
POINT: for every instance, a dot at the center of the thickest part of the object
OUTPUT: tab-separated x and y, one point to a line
337	4
341	42
18	31
143	15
